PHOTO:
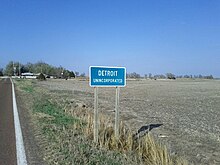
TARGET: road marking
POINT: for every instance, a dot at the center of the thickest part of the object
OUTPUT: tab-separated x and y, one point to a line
21	156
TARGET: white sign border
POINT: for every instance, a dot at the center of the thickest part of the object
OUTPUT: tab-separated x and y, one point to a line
111	86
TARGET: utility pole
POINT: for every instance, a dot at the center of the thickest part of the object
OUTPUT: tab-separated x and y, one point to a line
19	72
13	68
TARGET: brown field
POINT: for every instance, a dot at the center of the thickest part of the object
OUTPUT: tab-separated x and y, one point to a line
183	114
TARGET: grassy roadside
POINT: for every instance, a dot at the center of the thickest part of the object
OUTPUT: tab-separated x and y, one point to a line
68	133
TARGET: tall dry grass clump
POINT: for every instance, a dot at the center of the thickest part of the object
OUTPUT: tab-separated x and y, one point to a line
145	150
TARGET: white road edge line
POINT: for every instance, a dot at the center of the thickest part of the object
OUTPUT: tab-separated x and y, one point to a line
21	156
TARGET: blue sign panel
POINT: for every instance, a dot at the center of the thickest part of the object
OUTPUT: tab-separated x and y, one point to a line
107	76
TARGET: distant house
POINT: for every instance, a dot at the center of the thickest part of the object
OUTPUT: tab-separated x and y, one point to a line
28	75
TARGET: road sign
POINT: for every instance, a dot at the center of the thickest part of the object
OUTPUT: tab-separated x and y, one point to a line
101	76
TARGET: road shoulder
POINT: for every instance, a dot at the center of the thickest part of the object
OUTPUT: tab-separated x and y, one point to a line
29	130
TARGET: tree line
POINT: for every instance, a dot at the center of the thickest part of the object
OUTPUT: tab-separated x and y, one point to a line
167	76
16	69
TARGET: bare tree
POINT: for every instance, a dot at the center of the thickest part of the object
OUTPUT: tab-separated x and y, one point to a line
76	74
82	75
150	76
133	75
145	76
170	76
1	71
159	76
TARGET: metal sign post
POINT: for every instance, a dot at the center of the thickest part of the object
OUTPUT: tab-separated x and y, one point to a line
102	76
117	113
96	124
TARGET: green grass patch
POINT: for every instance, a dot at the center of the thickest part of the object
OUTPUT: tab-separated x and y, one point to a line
25	85
29	89
56	113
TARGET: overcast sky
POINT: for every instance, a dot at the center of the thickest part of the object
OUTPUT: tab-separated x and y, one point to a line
145	36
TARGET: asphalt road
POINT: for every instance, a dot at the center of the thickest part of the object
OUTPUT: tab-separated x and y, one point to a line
7	131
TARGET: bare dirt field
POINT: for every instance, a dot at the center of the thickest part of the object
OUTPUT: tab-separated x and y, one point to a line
188	111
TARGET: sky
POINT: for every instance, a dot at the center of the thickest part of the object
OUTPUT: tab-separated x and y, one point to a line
145	36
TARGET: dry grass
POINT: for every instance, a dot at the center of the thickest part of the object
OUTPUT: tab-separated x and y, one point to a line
147	151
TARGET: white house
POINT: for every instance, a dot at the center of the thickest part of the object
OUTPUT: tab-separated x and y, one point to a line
28	75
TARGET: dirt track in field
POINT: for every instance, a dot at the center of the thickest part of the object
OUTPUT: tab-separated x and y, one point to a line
189	111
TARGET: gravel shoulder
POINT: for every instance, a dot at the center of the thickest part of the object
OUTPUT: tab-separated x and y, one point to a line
31	135
189	111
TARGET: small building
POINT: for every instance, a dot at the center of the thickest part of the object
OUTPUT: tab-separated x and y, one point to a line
28	75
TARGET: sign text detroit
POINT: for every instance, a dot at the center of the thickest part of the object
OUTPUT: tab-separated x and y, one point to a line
107	76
